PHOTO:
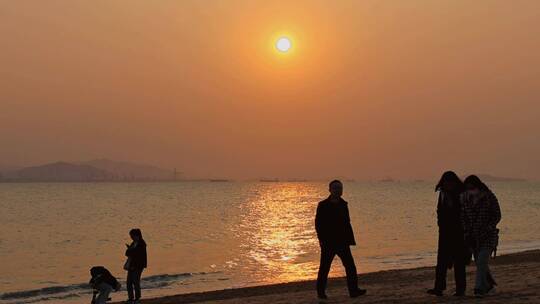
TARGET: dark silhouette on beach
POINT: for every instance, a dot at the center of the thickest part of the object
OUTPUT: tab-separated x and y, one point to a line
467	217
103	283
135	264
451	251
480	214
335	234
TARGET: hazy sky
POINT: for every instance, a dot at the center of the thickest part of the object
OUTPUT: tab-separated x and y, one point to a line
370	89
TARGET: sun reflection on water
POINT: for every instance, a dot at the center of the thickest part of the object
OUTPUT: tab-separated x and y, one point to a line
279	236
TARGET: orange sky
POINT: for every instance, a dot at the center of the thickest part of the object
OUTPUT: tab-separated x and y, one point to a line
372	89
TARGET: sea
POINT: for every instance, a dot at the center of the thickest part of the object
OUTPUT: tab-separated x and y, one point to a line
206	236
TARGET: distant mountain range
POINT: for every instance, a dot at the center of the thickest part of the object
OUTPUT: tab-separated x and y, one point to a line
131	170
94	170
106	170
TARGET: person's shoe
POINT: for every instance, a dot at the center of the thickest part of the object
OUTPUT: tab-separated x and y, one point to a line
129	302
491	290
322	296
459	294
435	292
358	292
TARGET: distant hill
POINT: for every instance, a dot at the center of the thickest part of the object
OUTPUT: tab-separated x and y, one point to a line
88	171
8	168
59	172
126	170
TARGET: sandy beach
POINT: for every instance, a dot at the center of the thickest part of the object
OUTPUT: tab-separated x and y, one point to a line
518	276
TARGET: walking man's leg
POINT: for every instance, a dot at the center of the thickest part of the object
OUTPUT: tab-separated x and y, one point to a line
350	269
327	255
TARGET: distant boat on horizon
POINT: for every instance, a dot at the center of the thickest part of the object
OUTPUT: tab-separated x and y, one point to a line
269	180
296	180
219	180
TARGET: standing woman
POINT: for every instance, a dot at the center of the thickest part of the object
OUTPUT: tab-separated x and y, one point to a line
480	215
451	248
135	264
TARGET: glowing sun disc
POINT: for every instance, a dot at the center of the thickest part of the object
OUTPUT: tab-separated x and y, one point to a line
283	44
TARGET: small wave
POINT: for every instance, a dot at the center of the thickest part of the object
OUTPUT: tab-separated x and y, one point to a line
76	290
50	298
169	277
41	292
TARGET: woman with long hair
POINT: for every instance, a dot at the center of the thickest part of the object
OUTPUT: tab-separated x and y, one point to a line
135	264
451	247
480	214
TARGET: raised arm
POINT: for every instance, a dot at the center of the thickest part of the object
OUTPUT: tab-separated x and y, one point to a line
130	251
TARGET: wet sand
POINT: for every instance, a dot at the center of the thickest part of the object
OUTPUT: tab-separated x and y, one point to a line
518	276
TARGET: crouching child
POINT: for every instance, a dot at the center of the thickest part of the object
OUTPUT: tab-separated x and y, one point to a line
103	283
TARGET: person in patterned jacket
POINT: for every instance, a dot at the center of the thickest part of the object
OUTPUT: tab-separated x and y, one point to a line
480	214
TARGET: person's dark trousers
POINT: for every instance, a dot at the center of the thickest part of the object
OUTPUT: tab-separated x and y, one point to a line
443	260
133	282
327	256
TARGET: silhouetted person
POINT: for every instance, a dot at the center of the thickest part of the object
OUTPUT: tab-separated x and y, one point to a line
103	283
480	214
137	261
335	234
451	248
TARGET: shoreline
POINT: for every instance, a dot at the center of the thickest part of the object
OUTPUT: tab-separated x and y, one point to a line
518	275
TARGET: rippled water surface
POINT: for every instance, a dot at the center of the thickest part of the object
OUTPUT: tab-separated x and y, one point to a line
206	236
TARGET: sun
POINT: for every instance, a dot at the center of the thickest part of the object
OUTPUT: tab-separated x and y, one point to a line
283	44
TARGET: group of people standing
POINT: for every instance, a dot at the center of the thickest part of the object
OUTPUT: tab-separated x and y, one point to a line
467	215
103	282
